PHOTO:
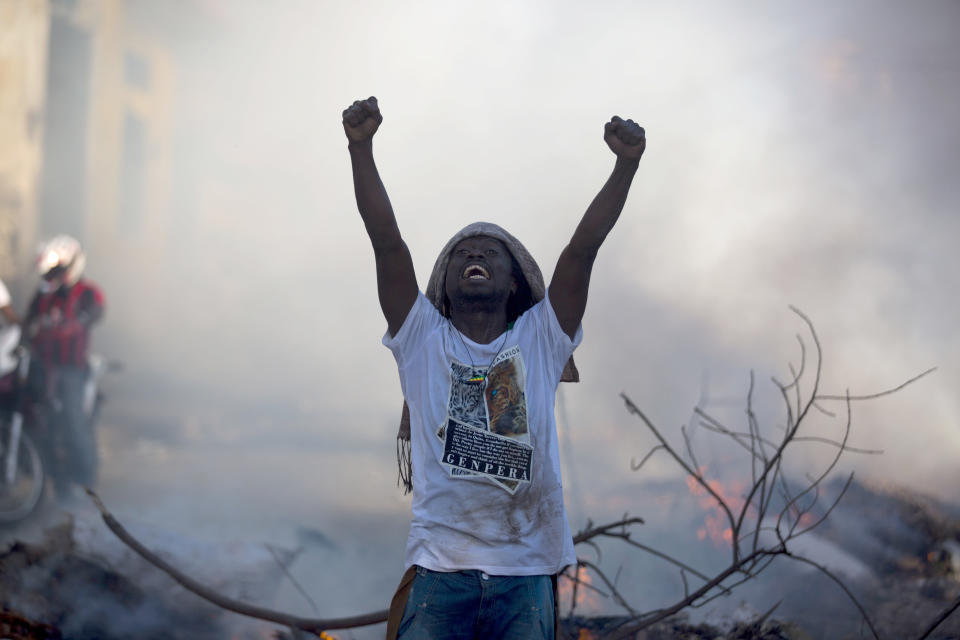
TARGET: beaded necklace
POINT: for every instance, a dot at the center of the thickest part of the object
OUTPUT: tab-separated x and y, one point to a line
481	377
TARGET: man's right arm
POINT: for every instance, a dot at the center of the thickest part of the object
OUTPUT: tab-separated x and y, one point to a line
396	279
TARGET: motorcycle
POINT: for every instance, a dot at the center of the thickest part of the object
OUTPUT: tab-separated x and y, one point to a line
22	473
36	442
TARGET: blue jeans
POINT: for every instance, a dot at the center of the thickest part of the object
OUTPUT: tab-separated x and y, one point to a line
469	605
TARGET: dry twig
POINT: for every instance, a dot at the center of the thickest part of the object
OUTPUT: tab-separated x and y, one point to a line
752	554
316	626
941	617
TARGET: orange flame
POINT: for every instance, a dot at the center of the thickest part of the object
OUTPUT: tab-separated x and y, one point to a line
588	600
806	520
716	524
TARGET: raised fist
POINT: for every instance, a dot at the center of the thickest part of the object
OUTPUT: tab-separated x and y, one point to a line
362	119
625	138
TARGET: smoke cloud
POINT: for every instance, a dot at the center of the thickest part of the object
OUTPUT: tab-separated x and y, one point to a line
796	155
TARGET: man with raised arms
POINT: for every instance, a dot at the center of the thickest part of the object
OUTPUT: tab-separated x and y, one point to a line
480	353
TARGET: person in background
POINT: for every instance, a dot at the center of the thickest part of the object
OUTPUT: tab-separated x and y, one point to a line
57	327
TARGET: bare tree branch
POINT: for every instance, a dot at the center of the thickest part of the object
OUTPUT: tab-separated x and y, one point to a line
686	440
634	409
668	558
756	567
710	426
840	583
286	572
615	594
637	467
879	394
826	412
833	463
829	510
752	433
316	626
941	617
750	555
628	631
592	532
847	448
803	362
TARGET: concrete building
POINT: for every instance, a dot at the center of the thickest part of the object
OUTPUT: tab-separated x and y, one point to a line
85	117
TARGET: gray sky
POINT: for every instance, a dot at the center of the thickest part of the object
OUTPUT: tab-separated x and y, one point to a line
799	153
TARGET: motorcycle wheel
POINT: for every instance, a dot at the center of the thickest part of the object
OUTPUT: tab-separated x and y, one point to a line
20	497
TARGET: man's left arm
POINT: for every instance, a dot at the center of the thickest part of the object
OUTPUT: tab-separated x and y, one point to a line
571	277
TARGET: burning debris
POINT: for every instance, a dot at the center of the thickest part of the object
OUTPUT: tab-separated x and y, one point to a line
74	583
52	584
908	546
680	628
912	543
899	577
896	551
769	520
78	582
897	532
14	626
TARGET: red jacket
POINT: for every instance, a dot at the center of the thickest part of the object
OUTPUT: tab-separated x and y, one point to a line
61	320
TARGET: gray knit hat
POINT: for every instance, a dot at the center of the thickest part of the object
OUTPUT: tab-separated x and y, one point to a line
436	294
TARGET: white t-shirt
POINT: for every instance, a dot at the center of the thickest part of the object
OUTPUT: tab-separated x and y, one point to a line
4	295
486	467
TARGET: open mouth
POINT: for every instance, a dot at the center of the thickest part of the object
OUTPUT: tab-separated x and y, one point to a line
475	272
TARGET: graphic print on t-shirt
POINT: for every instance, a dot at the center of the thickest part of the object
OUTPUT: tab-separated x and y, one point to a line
486	431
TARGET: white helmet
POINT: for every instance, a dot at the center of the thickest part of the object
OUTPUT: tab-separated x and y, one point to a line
60	261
